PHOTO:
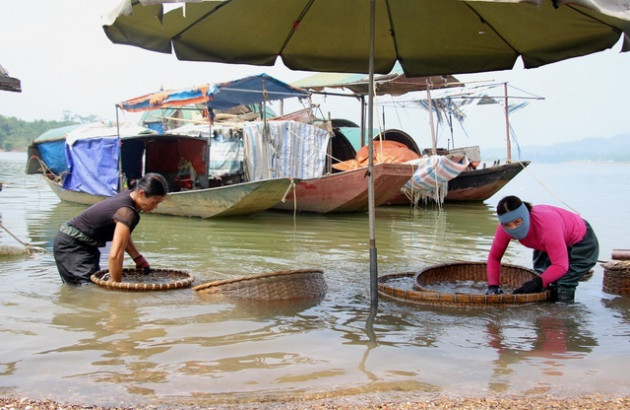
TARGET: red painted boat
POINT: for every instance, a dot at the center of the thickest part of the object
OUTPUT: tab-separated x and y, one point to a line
347	191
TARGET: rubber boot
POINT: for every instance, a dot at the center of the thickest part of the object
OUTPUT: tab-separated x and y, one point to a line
553	293
566	295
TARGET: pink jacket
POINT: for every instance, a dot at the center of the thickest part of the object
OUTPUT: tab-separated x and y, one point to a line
552	230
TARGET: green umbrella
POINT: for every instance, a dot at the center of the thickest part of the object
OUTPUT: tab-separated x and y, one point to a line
427	37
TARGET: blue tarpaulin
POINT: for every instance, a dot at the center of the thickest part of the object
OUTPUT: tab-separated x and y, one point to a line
245	91
51	147
53	155
251	90
93	166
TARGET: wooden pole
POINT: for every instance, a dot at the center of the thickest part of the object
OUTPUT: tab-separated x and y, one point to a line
371	207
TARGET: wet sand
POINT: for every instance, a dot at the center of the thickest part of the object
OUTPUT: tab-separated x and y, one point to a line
380	401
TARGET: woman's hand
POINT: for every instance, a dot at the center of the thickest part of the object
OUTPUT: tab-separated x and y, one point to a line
142	264
533	286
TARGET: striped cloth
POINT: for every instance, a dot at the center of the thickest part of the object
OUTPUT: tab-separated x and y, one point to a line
289	149
433	171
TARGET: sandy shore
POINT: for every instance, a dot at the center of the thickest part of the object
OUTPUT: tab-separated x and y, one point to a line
407	401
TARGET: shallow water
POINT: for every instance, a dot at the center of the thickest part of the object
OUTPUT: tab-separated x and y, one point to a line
107	347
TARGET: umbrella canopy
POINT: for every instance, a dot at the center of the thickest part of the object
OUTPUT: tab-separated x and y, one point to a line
427	37
244	91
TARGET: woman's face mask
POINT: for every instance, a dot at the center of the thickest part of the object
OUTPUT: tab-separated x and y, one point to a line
516	222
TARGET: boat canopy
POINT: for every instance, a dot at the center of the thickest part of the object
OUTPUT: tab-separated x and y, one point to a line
221	96
92	153
395	83
51	148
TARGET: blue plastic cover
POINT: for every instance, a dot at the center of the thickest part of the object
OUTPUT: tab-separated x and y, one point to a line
93	166
251	90
53	154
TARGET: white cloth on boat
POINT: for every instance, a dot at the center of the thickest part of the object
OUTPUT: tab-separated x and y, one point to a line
288	149
434	170
226	152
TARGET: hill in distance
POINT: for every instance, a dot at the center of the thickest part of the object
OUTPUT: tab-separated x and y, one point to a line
615	149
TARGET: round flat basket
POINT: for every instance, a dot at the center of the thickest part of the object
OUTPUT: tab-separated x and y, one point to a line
459	284
617	277
280	285
137	280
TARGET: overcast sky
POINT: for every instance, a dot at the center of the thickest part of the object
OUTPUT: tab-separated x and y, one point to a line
65	62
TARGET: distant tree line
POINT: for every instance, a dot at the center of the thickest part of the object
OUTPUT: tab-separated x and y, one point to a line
16	134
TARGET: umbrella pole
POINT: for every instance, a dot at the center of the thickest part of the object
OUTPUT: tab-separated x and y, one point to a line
507	124
433	137
373	255
121	184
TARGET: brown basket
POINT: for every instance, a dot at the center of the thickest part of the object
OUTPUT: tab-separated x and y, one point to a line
137	280
419	292
617	277
280	285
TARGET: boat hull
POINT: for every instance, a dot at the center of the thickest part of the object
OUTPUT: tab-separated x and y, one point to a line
230	200
346	191
473	186
480	184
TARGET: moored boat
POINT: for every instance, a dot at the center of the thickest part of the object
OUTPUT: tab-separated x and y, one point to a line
231	200
474	182
102	160
307	152
346	191
178	158
477	185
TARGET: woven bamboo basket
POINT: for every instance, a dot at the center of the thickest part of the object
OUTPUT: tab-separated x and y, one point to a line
617	277
279	285
137	280
456	275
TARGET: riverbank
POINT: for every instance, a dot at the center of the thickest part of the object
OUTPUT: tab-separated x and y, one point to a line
387	401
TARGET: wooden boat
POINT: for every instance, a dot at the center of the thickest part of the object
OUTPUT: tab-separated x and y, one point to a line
196	192
245	198
203	182
473	185
480	184
346	191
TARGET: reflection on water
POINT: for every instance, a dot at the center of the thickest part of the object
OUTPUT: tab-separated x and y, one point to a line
541	339
177	347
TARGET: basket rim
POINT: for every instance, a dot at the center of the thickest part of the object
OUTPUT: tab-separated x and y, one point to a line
256	276
421	296
187	280
616	265
417	287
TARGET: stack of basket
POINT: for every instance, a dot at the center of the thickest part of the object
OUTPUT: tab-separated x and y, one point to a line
617	273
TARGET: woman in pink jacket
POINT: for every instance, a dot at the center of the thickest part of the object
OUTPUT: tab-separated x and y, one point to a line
565	247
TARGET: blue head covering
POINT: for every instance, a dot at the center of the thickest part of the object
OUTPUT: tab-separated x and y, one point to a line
520	212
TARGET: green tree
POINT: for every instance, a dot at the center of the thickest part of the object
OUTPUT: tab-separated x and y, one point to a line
16	134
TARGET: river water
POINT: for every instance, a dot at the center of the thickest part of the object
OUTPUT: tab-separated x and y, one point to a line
111	348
